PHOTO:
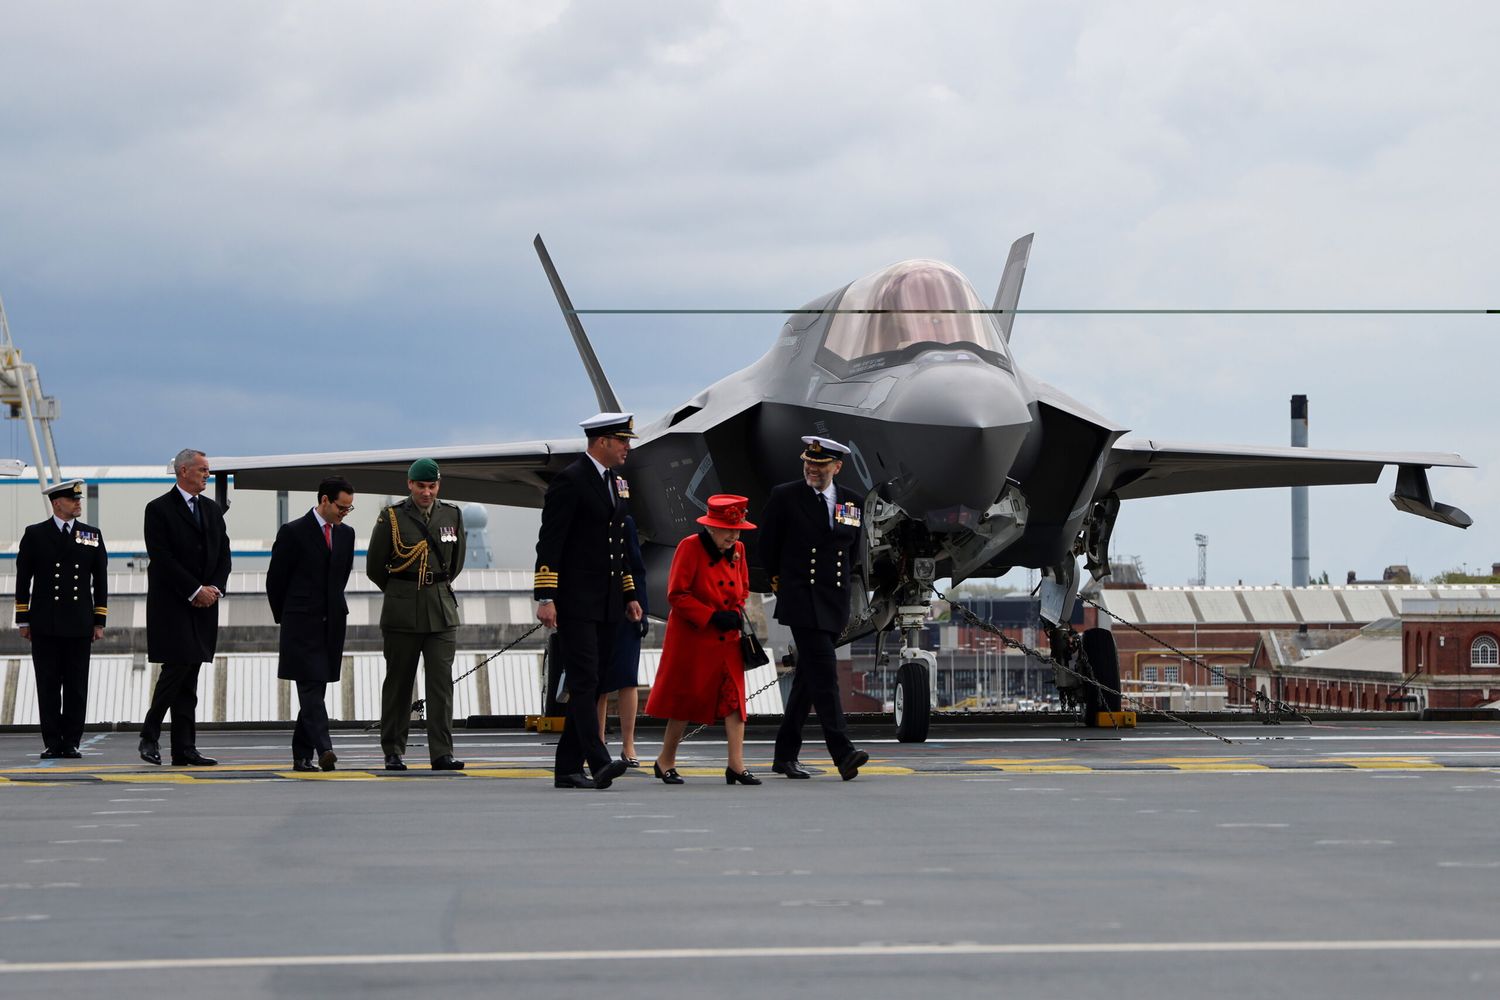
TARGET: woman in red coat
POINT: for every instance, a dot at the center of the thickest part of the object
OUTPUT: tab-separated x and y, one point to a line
702	676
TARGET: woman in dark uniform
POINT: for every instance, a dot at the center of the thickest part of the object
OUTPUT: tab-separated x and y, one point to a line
623	672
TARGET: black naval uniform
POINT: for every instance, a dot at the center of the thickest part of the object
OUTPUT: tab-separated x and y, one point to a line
581	565
62	596
810	564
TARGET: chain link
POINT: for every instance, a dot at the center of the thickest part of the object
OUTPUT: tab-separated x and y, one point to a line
1277	705
1139	705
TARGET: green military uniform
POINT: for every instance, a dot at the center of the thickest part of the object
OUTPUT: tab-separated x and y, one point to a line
419	617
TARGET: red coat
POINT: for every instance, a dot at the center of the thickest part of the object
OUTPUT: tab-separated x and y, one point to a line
697	660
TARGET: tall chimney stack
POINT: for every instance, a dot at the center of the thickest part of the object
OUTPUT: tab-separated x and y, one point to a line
1300	557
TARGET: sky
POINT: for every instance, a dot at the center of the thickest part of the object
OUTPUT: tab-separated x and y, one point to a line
285	227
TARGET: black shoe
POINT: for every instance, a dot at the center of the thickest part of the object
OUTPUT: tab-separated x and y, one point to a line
71	753
791	768
192	758
447	763
852	762
304	764
51	754
393	762
603	779
575	780
150	752
669	776
630	761
327	759
733	777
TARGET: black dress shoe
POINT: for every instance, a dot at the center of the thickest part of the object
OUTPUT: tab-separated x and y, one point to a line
669	776
71	753
150	752
852	762
327	759
393	762
630	761
733	777
192	758
791	768
304	764
51	754
612	770
447	763
575	780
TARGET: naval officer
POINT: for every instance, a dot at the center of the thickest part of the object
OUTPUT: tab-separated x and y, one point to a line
61	602
809	532
416	551
584	588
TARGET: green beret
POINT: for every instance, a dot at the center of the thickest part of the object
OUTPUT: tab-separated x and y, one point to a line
424	470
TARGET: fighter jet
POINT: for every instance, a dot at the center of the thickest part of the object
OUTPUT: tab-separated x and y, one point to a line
969	466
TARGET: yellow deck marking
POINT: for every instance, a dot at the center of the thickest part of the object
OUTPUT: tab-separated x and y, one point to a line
167	778
1038	765
510	772
1206	763
1387	763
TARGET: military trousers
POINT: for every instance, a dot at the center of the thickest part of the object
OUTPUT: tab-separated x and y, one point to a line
61	664
815	685
583	646
435	650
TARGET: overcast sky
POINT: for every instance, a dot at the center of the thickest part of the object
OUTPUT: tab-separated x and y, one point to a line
277	227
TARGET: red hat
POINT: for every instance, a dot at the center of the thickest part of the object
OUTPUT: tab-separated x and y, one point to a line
725	510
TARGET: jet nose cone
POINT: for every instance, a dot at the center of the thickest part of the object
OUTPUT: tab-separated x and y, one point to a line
959	426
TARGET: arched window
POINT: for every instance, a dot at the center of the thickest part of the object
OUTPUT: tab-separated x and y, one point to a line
1485	652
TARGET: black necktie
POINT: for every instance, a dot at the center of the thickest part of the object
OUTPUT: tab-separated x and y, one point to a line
193	506
68	530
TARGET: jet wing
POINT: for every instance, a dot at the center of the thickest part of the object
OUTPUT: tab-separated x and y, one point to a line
1139	467
513	475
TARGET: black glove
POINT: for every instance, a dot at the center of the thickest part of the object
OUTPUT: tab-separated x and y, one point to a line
725	621
643	627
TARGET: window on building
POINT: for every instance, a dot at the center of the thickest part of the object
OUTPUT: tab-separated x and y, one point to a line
1485	652
1148	674
1170	674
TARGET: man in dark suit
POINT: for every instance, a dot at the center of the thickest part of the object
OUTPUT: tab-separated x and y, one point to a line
583	588
810	531
310	563
61	602
188	548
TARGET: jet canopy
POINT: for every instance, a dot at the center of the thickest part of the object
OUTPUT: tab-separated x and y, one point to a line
896	313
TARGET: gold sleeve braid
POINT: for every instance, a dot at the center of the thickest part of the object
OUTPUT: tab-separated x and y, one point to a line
406	555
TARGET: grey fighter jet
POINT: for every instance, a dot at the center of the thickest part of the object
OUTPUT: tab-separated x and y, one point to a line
969	466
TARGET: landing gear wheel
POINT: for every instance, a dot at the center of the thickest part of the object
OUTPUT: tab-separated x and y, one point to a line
1104	661
913	703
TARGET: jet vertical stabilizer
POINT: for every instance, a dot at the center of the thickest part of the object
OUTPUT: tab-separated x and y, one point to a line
1009	292
607	400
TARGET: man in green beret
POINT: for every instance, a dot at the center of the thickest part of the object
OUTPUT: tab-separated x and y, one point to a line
415	552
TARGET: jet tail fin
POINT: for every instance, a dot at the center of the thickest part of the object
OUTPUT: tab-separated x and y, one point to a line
1010	284
608	402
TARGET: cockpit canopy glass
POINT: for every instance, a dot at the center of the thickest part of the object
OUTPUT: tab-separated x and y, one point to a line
894	314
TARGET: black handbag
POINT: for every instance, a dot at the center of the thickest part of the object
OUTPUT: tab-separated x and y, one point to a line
751	651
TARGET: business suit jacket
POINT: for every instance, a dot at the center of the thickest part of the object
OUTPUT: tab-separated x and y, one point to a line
61	581
581	559
413	605
305	585
185	554
810	564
